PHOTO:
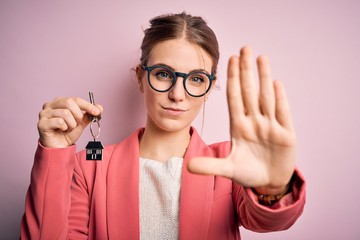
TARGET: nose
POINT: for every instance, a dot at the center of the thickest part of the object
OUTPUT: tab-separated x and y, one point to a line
177	92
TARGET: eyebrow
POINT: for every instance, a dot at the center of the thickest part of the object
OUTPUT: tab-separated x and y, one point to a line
173	69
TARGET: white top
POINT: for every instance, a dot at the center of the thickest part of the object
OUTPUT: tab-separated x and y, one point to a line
160	184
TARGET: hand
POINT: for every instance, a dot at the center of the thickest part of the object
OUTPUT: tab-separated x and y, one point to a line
262	135
62	121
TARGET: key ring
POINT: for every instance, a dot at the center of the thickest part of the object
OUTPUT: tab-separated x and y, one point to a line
94	119
95	136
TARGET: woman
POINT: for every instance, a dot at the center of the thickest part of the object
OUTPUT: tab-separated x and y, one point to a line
145	186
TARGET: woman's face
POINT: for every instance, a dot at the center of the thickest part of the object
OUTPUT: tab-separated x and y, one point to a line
174	110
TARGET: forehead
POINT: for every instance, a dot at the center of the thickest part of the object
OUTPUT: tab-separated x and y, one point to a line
180	54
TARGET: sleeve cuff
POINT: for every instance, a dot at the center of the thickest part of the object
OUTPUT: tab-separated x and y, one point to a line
295	196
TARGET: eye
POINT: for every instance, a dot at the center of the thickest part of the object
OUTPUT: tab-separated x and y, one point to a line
197	79
162	74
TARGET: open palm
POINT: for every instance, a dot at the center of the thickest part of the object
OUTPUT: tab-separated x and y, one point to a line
262	135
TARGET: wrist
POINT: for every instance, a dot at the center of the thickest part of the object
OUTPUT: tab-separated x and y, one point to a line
269	196
270	190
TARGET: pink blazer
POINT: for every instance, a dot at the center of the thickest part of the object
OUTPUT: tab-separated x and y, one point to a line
72	198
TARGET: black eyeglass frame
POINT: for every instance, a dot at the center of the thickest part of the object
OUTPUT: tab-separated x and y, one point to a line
175	76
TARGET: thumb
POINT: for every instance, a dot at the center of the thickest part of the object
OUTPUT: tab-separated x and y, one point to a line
93	111
211	166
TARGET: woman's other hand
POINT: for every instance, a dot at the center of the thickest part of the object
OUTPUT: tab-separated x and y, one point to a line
262	134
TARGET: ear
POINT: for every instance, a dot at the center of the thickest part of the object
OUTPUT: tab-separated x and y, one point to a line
139	76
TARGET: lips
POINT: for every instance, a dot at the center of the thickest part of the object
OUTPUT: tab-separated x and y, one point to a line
174	111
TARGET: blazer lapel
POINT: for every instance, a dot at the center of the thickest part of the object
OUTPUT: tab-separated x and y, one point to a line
196	194
123	190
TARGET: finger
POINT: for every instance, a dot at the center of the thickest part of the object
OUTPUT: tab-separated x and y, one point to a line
94	110
50	124
76	106
247	81
211	166
235	102
267	95
283	114
66	103
65	114
100	107
101	110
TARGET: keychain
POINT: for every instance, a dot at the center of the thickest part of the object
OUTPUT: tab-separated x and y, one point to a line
94	149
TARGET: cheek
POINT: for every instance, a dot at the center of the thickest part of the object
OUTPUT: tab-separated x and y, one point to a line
148	98
196	106
151	98
148	94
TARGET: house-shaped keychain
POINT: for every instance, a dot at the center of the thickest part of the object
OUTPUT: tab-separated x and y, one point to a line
94	150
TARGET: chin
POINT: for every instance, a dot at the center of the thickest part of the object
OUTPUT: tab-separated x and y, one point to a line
172	126
176	128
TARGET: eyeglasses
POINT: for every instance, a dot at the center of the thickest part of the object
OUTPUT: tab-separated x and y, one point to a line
162	79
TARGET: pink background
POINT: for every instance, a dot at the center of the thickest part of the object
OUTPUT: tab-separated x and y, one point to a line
66	48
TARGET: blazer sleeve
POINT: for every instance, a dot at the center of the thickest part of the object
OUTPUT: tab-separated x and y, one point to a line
54	184
280	216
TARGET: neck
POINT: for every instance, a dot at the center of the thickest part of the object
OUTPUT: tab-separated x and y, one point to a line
160	145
